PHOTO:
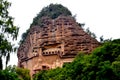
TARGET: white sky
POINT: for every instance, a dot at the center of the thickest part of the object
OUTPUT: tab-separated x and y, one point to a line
101	16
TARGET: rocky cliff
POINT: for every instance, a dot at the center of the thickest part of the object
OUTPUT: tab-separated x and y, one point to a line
53	43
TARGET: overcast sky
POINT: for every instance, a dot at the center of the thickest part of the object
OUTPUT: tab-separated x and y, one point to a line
101	16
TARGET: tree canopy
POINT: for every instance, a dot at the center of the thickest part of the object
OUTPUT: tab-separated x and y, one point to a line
52	11
14	73
102	64
7	31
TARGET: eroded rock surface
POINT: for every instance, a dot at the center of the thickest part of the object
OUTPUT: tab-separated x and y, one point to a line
53	43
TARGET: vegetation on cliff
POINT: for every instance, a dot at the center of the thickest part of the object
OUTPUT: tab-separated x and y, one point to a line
52	11
102	64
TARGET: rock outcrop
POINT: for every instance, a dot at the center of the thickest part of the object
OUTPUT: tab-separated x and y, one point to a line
55	42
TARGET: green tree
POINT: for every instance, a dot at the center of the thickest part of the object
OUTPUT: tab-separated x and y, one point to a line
40	75
24	74
7	31
102	64
9	73
91	33
14	73
6	75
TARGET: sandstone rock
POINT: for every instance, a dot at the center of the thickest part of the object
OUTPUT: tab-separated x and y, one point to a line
54	43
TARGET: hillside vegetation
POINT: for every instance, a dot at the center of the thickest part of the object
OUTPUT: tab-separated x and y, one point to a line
102	64
52	11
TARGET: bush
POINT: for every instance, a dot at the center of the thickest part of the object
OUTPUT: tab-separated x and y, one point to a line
6	75
102	64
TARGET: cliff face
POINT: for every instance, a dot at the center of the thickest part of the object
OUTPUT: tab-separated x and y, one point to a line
55	42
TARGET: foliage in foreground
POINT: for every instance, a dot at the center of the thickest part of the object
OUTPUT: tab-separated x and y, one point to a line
7	31
24	74
6	75
102	64
14	73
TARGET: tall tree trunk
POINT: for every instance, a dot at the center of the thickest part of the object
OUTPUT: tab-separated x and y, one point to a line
1	65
